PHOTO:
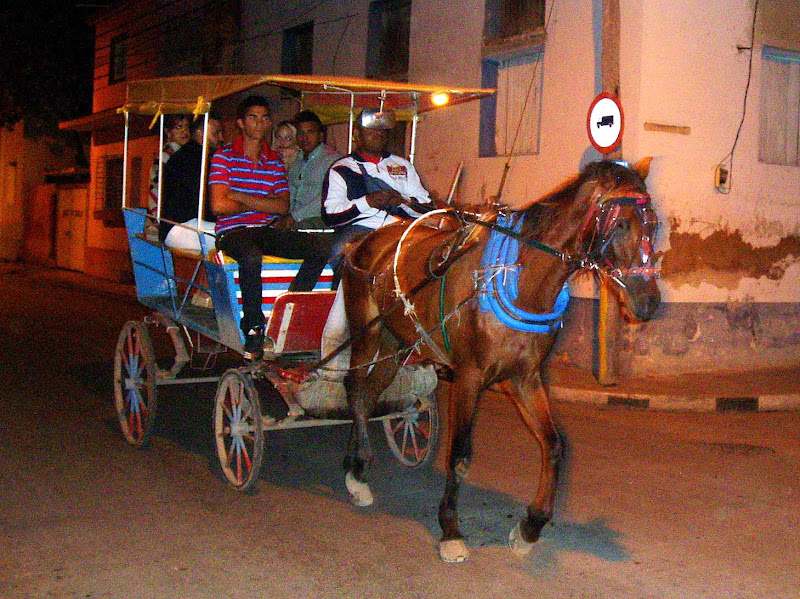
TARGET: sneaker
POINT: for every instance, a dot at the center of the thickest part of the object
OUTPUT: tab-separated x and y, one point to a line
254	344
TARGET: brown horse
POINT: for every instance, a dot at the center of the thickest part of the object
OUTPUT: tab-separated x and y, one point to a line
602	220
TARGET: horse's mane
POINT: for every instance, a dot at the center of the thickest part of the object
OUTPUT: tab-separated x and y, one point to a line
541	214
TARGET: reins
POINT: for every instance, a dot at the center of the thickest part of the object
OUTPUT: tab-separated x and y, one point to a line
399	300
534	243
605	215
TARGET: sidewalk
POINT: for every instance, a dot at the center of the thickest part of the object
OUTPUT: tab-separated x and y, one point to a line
764	390
66	278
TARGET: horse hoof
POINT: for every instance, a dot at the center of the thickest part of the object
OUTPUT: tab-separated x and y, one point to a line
360	494
518	545
453	551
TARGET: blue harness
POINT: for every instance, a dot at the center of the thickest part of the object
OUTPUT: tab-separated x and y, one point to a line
498	288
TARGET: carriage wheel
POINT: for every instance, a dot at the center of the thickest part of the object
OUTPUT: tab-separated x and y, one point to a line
414	433
238	429
135	383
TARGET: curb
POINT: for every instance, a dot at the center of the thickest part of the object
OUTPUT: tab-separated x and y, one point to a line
645	401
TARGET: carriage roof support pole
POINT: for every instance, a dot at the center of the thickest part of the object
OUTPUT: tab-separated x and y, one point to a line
125	161
352	121
414	121
160	163
203	168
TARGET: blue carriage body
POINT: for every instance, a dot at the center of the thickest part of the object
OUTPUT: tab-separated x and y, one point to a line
159	287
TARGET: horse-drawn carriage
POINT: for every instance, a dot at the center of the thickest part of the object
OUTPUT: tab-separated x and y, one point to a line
170	280
480	295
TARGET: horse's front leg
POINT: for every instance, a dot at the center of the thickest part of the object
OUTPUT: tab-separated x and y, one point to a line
464	393
531	399
363	386
359	452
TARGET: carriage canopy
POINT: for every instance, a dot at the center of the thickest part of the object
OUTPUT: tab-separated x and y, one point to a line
332	98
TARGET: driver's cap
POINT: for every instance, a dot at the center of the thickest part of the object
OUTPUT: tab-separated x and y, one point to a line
374	118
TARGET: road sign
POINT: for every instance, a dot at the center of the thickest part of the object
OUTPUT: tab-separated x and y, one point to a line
605	123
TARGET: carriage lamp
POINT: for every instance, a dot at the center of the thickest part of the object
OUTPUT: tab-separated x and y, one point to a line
440	98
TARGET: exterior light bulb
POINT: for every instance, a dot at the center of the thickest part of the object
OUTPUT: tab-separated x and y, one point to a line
440	98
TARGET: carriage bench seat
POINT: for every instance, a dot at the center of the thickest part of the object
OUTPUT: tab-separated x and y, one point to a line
276	276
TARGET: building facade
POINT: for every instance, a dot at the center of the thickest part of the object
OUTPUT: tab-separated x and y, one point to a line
710	90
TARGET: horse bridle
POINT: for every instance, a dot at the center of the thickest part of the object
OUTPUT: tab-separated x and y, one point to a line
606	218
603	221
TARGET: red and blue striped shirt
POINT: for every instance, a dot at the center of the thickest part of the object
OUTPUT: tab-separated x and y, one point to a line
231	167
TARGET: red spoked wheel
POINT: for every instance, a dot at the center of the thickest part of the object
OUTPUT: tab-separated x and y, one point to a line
135	395
238	429
413	434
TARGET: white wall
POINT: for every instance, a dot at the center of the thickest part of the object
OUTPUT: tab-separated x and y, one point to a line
679	67
693	75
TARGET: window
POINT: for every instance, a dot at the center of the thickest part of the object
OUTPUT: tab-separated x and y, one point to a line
297	53
510	119
118	60
388	39
779	130
510	18
108	188
111	187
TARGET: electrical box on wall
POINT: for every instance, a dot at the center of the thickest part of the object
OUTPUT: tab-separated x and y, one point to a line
722	179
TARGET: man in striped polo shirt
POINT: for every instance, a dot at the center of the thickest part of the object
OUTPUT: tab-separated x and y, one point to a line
249	192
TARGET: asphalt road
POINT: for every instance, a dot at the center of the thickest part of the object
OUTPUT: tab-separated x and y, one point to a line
655	504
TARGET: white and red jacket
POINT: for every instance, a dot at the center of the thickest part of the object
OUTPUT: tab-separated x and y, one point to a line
344	190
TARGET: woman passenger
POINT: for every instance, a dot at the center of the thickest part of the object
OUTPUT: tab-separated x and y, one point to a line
284	142
176	131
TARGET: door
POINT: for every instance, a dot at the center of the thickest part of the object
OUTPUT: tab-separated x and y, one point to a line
71	227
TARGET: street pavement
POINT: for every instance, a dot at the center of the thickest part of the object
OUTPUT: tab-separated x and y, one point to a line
652	504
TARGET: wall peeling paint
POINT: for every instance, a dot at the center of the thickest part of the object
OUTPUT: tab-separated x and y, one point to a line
688	337
724	258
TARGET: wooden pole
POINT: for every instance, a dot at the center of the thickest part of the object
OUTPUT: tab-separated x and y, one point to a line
608	321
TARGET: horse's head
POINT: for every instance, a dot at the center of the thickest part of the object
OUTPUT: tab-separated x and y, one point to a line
620	232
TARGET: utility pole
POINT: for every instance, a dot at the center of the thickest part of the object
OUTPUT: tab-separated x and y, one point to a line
609	321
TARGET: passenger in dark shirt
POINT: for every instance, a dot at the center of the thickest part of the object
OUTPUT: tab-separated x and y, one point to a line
181	187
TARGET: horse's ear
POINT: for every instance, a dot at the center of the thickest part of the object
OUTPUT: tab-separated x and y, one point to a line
643	166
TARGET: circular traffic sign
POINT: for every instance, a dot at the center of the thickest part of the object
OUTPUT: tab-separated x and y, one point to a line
605	123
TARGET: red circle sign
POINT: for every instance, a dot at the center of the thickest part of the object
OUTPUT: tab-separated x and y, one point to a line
605	123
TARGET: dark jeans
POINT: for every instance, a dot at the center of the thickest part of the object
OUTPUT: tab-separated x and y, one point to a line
341	238
247	246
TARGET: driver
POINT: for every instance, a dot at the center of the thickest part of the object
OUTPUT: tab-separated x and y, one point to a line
370	187
364	191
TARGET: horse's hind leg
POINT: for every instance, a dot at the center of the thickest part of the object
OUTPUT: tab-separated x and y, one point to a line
533	405
464	392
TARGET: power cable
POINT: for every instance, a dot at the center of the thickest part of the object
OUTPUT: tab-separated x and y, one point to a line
507	165
728	176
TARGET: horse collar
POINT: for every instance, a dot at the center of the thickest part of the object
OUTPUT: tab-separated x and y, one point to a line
498	287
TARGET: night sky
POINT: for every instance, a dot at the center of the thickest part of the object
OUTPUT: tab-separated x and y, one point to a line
46	58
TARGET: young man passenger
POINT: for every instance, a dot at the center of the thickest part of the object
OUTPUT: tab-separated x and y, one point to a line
249	191
307	174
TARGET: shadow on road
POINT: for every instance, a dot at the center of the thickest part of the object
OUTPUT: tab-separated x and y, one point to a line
310	460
